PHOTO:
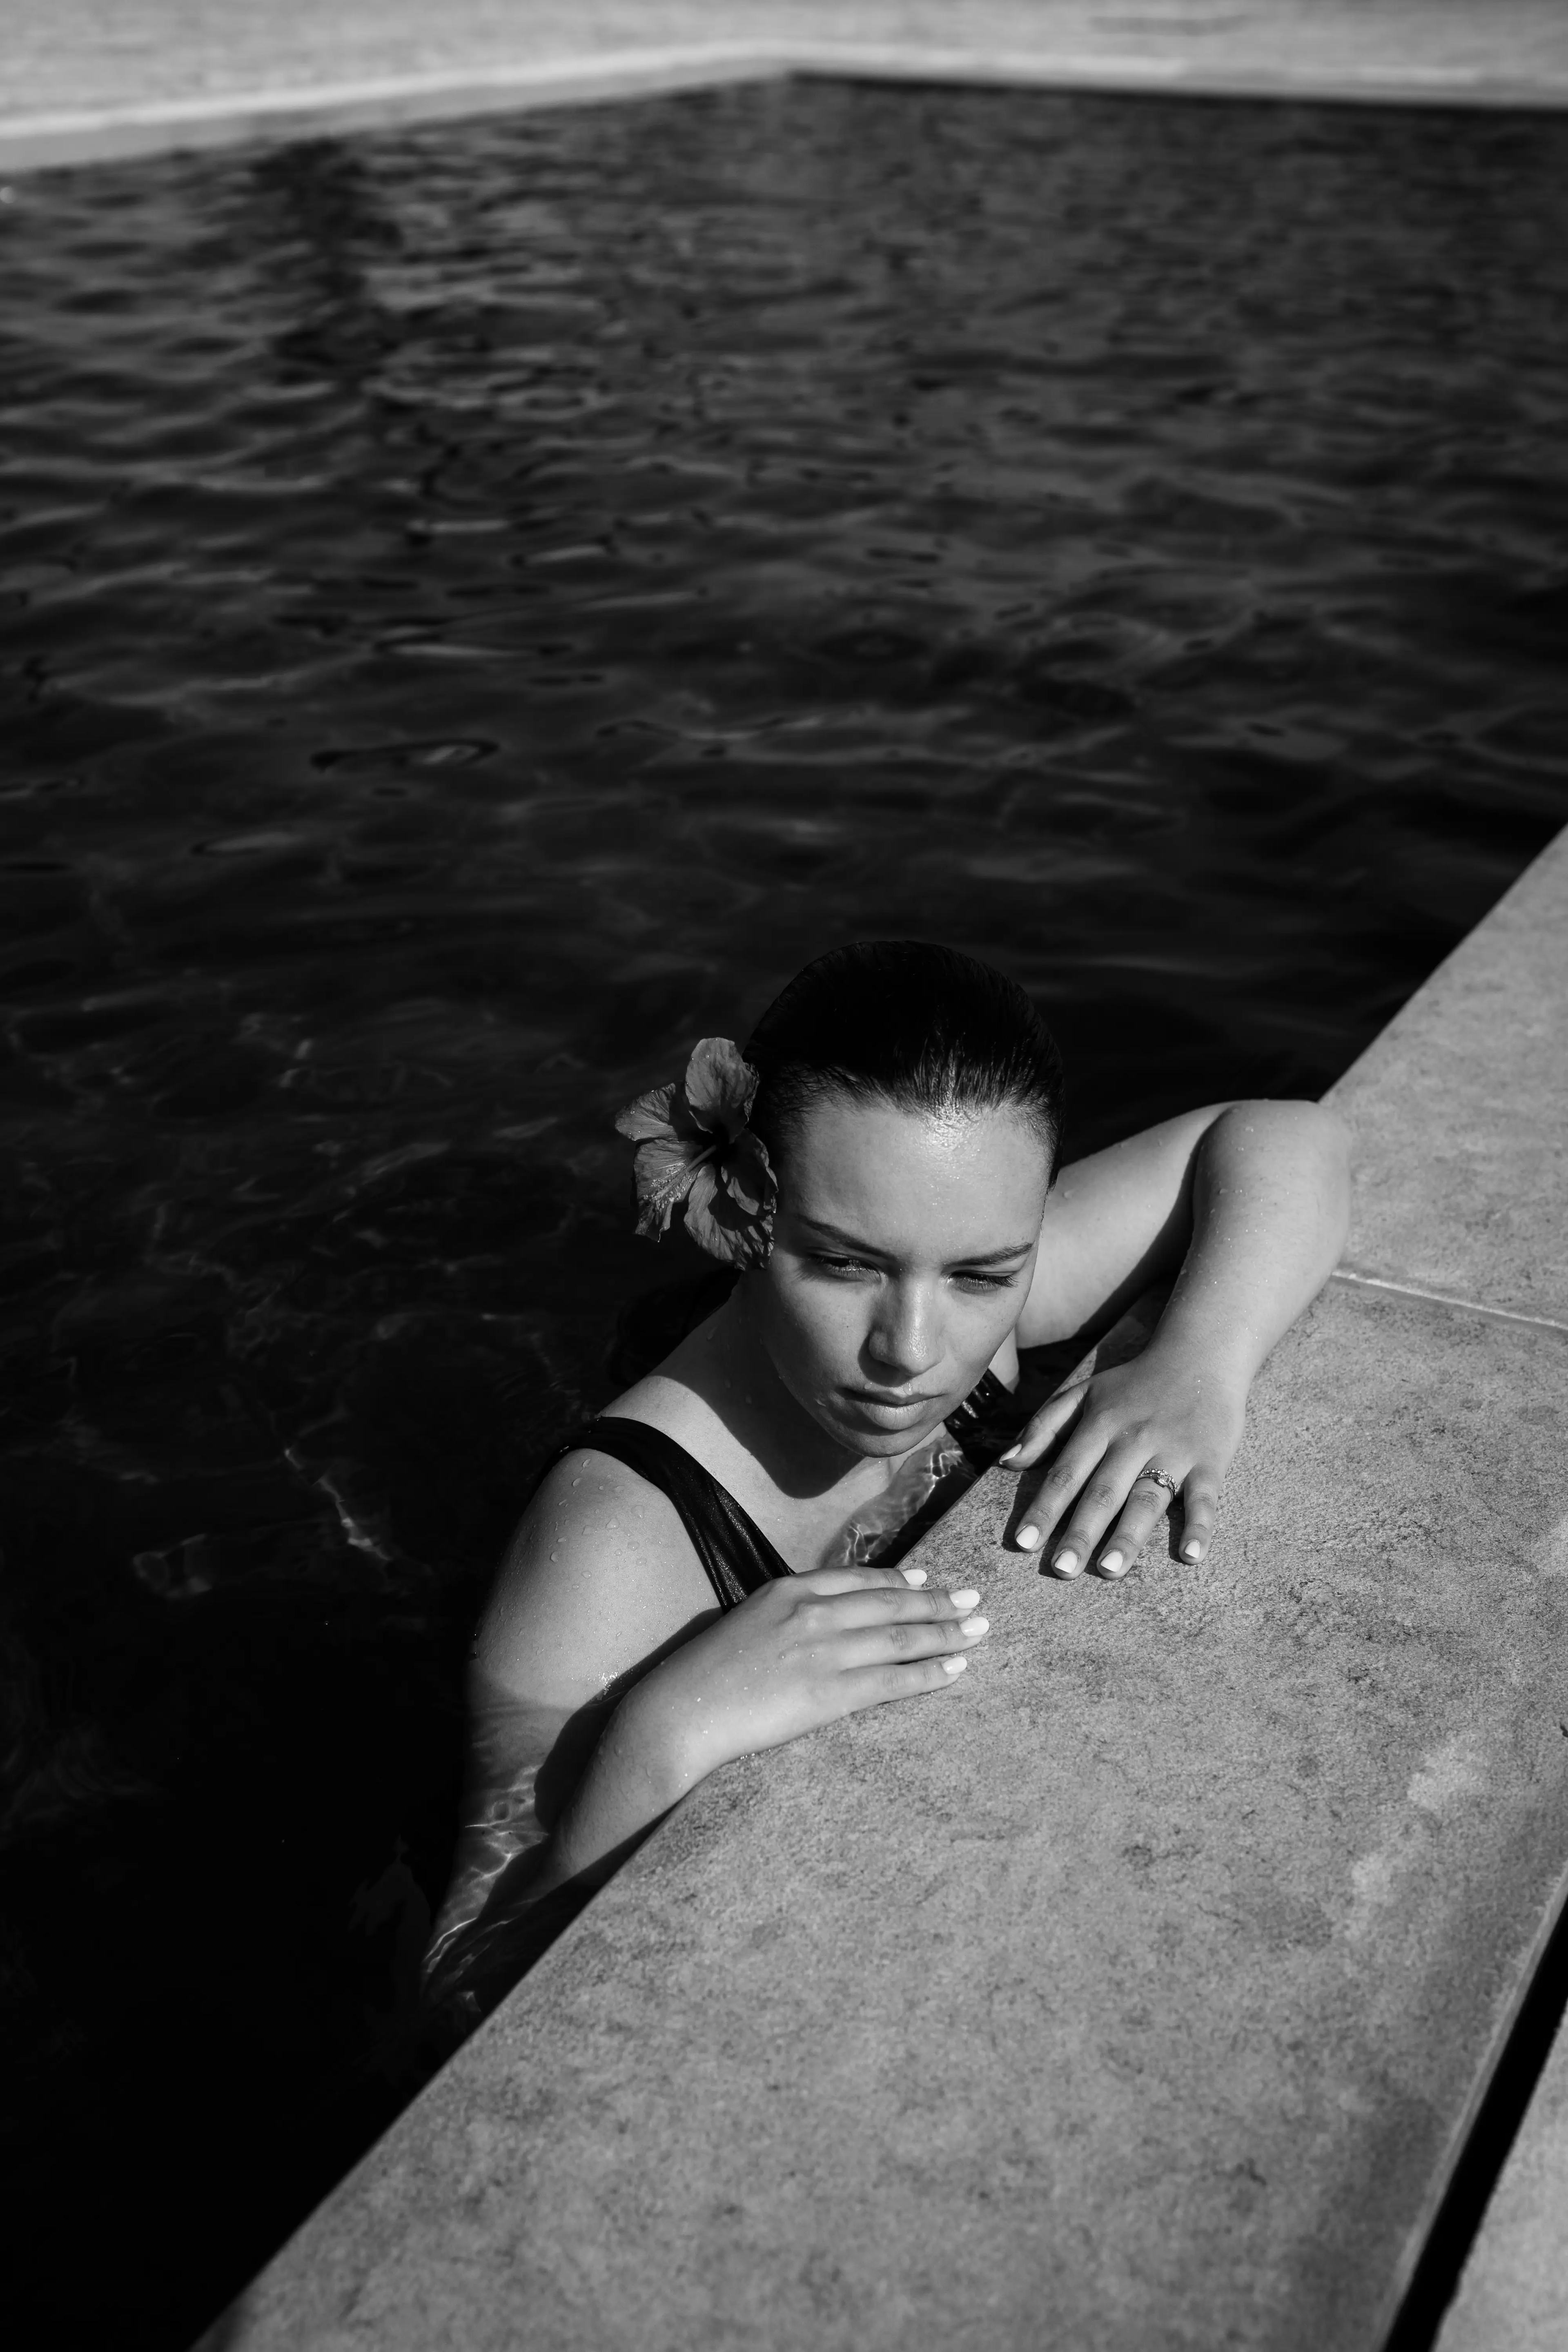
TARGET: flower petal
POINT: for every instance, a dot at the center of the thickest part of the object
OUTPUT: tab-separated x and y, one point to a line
718	1225
699	1196
713	1226
648	1115
746	1173
719	1087
664	1170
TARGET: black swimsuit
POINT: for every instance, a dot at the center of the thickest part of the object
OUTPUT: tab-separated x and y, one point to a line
737	1556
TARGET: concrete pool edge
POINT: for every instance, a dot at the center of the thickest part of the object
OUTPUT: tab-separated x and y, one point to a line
30	142
406	101
334	2282
1470	1065
1512	2295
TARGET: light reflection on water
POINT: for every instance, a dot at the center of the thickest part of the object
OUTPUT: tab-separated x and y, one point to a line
479	610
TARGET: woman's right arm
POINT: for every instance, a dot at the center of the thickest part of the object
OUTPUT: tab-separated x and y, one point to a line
799	1654
602	1622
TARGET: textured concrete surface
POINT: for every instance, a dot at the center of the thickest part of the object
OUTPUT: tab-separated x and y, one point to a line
87	78
1134	1996
1461	1109
1514	2296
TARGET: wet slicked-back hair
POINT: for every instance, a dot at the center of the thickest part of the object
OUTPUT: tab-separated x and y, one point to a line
923	1028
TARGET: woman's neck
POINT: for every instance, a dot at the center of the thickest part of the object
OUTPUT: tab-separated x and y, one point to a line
762	1414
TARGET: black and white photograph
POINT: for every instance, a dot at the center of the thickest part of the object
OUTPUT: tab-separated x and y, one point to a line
784	1175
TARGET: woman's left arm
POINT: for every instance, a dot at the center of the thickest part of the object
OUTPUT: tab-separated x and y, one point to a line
1250	1201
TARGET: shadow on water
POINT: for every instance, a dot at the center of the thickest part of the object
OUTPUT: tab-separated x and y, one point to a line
481	608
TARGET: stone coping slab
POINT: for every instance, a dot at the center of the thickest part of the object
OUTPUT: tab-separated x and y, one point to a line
85	52
1461	1112
1136	1996
1514	2296
306	111
90	79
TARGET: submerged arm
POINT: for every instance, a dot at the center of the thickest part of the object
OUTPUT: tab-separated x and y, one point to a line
606	1685
551	1808
1246	1208
593	1590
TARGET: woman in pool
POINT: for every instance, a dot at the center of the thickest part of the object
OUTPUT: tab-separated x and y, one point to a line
879	1167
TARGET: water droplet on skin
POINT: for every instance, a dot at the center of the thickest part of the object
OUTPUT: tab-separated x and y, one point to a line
555	1554
576	1482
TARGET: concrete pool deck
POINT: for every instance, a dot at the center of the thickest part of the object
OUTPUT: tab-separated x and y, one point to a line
88	80
1144	1994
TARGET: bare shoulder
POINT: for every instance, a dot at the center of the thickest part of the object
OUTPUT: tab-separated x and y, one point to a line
599	1574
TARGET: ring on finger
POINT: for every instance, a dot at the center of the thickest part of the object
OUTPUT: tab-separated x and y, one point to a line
1160	1479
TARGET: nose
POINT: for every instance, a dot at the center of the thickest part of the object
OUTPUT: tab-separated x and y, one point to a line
904	1343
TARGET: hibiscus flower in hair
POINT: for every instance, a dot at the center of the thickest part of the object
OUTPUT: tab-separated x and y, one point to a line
694	1146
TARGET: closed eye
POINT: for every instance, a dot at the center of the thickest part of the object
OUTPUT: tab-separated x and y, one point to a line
969	1279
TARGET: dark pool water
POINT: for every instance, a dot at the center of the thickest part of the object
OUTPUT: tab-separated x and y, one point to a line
480	609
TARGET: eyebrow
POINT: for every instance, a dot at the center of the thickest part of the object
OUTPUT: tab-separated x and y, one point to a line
970	1257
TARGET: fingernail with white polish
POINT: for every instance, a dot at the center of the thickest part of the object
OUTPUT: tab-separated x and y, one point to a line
964	1600
954	1665
1192	1551
1065	1563
1111	1562
1027	1538
913	1575
975	1625
1011	1450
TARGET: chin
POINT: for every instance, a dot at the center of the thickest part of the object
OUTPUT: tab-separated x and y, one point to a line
883	1445
887	1447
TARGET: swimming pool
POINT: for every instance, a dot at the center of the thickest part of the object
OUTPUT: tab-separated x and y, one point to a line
481	607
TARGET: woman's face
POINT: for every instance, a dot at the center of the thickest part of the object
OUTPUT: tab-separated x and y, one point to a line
904	1246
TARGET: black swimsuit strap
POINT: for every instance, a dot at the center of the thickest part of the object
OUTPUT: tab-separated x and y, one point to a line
734	1552
737	1556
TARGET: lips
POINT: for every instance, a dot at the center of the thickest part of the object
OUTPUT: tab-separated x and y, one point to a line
873	1400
